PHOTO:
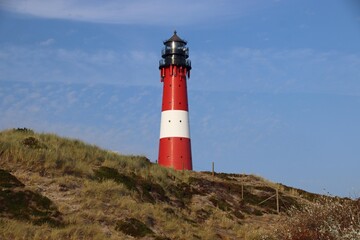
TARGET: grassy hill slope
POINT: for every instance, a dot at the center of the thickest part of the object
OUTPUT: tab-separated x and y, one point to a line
59	188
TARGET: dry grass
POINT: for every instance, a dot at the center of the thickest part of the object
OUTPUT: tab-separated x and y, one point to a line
101	193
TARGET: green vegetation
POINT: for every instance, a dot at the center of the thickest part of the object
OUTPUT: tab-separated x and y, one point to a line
133	227
22	204
60	188
9	181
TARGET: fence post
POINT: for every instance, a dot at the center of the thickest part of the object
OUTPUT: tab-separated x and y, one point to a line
277	201
213	172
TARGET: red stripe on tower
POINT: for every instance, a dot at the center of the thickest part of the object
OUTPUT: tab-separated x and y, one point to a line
175	144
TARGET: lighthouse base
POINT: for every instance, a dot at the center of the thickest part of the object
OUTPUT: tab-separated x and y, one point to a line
175	152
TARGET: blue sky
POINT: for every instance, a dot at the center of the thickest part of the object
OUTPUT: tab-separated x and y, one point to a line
274	89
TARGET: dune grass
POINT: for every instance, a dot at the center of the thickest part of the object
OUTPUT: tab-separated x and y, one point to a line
105	195
53	155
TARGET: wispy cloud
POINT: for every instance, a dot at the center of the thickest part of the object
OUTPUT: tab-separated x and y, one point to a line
35	64
236	69
158	12
278	70
47	42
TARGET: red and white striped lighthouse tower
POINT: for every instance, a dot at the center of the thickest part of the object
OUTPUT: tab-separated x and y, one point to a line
175	145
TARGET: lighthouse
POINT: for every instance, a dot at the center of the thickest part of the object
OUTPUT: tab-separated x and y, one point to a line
175	144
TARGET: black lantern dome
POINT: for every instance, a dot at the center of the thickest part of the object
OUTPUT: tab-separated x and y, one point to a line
175	52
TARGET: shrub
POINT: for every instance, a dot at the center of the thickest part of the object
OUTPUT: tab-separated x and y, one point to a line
326	219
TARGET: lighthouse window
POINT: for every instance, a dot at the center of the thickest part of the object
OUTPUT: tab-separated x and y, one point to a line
169	120
180	120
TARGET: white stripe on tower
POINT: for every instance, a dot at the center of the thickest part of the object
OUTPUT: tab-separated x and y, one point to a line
174	123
